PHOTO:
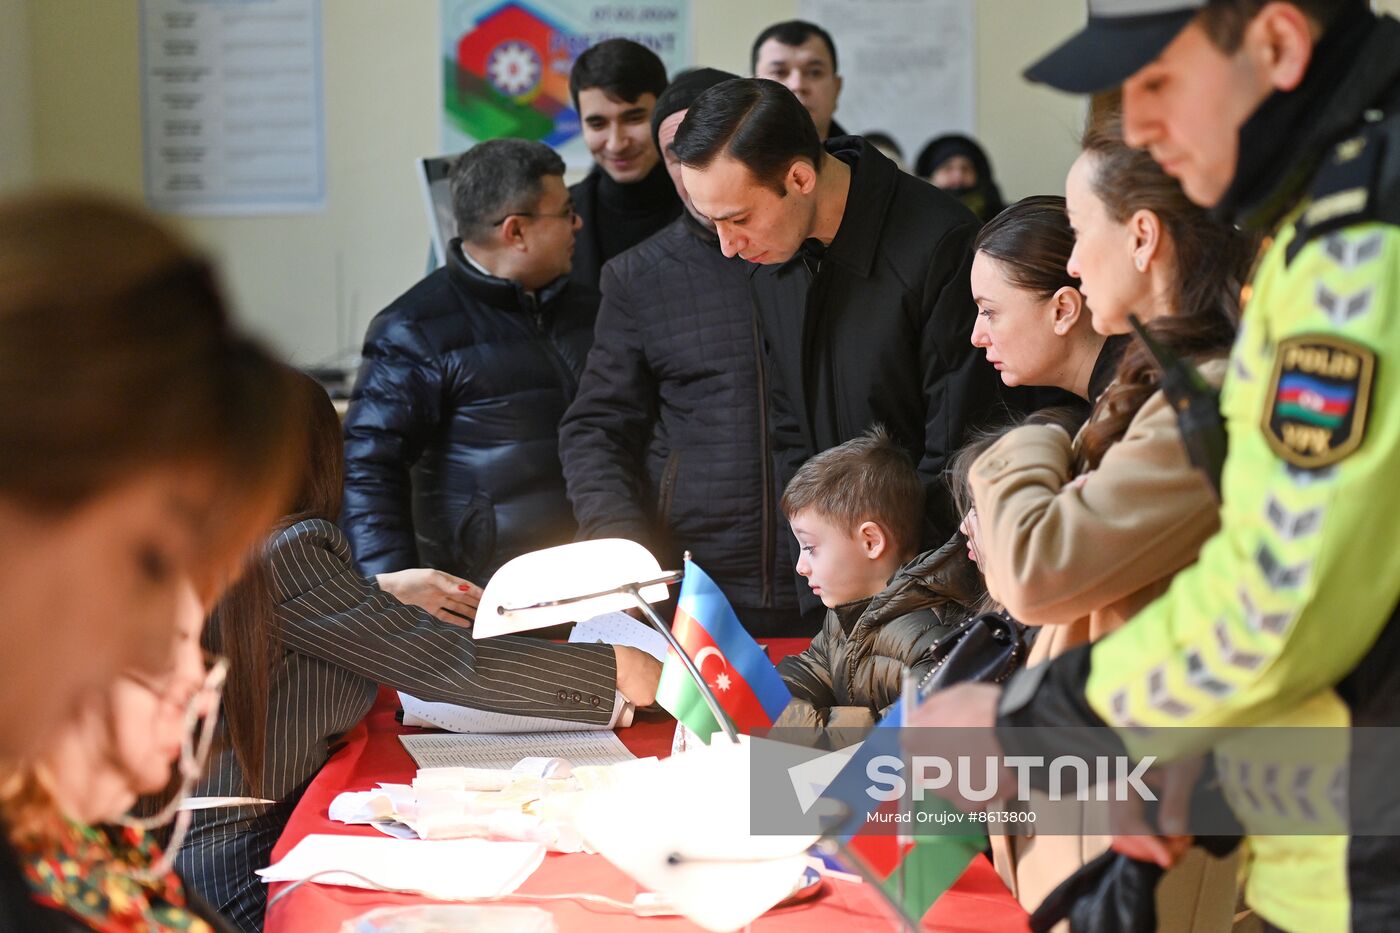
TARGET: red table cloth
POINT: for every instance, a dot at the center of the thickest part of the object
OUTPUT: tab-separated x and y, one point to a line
372	753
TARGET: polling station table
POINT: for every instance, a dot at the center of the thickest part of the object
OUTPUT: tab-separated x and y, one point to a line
372	753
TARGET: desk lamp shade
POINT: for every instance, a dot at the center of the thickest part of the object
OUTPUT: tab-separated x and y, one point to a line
516	598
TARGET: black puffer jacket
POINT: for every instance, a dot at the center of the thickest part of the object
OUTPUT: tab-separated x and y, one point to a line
853	670
665	443
452	438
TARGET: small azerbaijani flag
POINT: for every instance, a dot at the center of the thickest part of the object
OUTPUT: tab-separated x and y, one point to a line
744	681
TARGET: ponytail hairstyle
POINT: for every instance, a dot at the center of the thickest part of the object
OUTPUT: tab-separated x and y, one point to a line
1212	260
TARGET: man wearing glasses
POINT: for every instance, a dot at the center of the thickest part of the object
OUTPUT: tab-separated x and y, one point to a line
451	440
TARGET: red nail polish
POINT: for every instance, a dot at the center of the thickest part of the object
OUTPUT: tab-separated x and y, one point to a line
465	587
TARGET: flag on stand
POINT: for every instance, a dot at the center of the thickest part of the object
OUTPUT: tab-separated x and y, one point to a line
736	669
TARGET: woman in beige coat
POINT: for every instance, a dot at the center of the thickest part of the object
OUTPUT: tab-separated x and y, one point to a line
1076	534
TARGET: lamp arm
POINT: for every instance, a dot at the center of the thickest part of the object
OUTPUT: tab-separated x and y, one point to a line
656	622
673	577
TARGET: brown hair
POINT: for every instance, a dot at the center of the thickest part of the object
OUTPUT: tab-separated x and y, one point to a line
1225	21
117	356
1032	239
243	626
868	478
1212	259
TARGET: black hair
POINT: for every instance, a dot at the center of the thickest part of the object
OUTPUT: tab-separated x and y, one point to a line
622	69
757	122
496	178
793	32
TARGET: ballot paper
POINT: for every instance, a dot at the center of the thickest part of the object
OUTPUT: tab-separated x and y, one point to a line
618	628
504	751
455	869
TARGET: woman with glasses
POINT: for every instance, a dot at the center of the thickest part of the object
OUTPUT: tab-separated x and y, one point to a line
146	443
88	865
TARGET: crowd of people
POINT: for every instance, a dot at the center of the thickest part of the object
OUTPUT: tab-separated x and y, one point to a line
872	400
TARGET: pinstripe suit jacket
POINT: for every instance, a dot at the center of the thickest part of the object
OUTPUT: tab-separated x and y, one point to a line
341	638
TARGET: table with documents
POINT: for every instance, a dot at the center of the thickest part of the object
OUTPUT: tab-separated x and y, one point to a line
373	753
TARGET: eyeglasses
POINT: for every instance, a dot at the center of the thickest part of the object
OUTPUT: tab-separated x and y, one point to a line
201	720
567	214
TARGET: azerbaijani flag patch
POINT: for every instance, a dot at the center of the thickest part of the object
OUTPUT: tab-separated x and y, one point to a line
1318	399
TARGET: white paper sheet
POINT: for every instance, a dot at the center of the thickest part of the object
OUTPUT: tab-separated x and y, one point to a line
231	106
456	869
618	628
504	751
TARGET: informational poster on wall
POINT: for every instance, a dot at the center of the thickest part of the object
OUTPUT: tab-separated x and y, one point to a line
909	66
231	106
505	66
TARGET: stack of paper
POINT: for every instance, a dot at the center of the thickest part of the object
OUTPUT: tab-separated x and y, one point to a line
504	751
458	869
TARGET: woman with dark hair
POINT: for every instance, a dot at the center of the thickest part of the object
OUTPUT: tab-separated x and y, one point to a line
309	641
1076	532
959	166
146	445
1032	320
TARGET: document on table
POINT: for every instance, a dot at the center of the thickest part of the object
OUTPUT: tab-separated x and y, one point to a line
454	869
503	751
618	628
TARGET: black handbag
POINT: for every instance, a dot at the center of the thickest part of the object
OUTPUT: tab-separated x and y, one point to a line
987	648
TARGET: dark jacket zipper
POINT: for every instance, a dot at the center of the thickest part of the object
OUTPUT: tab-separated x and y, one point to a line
667	492
766	468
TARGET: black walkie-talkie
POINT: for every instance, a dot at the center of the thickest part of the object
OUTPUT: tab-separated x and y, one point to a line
1197	407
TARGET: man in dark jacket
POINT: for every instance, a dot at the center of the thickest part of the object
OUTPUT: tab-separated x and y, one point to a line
451	440
665	443
863	297
627	196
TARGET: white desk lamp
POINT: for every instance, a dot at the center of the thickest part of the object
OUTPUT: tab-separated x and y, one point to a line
578	581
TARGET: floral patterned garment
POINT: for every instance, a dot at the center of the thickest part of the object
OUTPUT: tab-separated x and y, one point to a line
90	875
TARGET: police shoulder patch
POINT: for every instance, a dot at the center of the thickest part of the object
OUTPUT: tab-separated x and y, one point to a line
1318	399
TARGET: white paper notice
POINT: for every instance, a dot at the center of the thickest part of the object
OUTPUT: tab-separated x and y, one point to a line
908	65
231	106
504	751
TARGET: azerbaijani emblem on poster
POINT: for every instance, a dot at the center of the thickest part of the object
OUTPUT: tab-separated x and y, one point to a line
506	64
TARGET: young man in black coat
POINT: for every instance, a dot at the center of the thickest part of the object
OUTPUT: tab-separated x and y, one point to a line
665	443
452	437
862	294
627	196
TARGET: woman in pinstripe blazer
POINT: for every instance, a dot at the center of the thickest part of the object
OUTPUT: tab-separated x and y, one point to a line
310	641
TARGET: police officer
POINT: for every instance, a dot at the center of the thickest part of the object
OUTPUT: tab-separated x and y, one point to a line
1285	117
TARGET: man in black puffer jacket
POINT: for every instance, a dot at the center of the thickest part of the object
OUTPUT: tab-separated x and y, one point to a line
665	443
451	441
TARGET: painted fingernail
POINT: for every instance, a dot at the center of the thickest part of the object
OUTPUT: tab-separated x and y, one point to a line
465	587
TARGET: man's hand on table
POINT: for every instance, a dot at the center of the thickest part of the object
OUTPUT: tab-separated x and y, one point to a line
637	675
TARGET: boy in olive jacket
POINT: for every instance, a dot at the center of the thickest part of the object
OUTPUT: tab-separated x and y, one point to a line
856	511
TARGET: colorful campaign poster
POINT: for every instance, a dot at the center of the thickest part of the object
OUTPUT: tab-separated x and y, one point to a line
505	65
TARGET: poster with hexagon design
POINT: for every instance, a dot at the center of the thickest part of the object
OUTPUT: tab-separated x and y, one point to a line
505	63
